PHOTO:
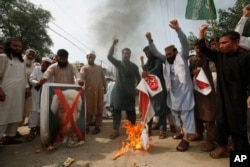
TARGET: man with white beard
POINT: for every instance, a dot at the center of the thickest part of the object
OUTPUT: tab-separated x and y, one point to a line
29	59
34	116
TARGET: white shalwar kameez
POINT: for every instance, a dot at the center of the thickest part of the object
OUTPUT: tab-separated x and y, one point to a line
35	76
13	83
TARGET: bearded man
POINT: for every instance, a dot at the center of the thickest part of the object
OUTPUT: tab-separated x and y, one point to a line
13	85
65	73
29	59
95	87
62	71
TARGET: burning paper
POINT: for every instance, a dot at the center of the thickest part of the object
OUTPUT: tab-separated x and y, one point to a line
137	138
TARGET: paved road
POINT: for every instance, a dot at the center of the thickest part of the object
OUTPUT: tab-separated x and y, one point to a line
98	151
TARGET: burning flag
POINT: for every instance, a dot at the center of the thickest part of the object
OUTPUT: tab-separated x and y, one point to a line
134	138
138	134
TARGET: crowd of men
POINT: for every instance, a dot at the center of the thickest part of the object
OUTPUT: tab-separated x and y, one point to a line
219	107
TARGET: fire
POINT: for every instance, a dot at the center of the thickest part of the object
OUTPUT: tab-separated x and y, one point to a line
134	140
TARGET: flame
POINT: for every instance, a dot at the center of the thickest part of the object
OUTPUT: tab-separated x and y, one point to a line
134	138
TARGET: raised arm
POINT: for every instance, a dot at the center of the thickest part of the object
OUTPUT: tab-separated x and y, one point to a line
153	49
211	54
244	41
241	24
182	37
111	58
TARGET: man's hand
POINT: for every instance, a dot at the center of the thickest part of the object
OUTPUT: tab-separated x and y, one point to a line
202	32
195	72
2	95
142	58
42	81
144	74
80	82
174	25
246	11
149	36
115	41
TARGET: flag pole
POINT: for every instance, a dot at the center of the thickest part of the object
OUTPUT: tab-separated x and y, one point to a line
211	19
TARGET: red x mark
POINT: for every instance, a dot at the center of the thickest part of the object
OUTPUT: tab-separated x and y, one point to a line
69	111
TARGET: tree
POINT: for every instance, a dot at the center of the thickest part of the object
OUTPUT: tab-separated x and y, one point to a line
191	38
227	20
22	19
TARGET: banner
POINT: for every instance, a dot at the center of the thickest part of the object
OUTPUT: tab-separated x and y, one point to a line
200	10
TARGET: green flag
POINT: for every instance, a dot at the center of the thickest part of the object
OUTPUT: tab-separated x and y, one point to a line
200	10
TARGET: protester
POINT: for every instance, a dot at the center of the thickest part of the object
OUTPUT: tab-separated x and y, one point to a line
124	90
158	102
63	72
34	117
95	87
232	99
179	85
13	88
244	45
29	61
204	100
244	41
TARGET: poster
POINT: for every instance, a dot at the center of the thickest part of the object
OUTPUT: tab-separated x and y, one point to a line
62	117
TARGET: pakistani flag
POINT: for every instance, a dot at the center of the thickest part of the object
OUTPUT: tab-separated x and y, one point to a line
200	10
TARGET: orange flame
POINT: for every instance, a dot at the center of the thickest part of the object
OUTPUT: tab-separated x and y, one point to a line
134	138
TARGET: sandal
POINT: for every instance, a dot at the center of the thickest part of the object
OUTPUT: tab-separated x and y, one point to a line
162	135
207	147
182	146
114	135
51	148
178	136
217	154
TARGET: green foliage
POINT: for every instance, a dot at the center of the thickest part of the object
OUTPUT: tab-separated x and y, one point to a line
22	19
191	38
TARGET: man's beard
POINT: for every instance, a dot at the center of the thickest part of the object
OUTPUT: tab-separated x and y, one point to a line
43	70
14	53
62	64
170	60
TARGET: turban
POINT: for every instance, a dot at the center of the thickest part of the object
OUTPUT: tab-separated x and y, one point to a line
47	59
91	52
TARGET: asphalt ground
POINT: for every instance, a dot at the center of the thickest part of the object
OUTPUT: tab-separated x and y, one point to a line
98	151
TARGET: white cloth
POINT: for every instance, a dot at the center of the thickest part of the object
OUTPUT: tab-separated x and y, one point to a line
244	41
179	71
107	95
13	82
